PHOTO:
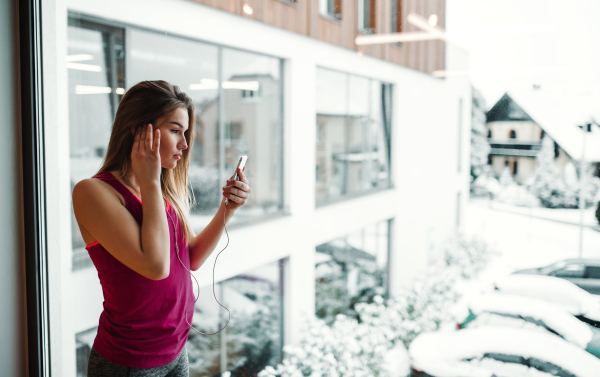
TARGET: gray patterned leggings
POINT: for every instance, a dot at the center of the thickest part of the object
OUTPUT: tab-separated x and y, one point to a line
100	367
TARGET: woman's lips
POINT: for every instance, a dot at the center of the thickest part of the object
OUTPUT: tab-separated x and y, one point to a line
177	156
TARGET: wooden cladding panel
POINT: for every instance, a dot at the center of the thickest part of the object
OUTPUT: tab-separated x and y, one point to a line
286	15
303	17
424	56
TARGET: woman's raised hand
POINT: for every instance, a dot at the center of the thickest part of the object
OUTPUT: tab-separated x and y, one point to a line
145	156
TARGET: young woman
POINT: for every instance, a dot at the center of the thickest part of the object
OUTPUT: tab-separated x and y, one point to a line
144	266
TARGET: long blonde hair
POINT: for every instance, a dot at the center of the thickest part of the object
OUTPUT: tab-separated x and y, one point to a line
145	103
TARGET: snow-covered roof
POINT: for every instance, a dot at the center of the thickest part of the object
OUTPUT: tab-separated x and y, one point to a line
555	290
553	316
560	115
440	353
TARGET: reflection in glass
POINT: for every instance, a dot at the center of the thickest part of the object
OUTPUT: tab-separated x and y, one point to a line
353	134
95	56
254	337
241	117
252	126
193	66
350	270
84	341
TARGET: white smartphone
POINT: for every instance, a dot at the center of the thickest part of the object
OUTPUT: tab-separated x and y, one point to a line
240	165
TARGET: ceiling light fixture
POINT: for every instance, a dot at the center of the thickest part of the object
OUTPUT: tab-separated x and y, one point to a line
243	85
87	89
79	57
84	67
247	9
433	19
214	84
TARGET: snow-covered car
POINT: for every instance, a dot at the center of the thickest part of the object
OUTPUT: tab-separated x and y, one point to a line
498	351
584	305
585	273
497	309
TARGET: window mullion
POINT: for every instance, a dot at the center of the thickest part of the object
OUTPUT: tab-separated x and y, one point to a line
221	117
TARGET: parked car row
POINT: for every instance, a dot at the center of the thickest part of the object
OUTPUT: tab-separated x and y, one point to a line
530	325
585	273
498	351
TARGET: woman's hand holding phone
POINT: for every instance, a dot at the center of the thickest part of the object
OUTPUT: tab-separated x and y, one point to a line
237	191
145	155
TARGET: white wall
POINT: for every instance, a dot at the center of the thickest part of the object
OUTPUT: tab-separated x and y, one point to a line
13	332
424	166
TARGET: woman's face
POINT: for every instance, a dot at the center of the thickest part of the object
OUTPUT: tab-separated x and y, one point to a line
172	141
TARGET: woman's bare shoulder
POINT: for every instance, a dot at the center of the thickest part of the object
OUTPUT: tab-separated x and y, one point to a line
89	188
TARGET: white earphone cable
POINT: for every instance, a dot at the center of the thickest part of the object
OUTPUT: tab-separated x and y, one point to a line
192	275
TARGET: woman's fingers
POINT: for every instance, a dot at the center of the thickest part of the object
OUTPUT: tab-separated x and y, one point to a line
239	184
156	144
148	141
242	175
138	135
233	198
236	192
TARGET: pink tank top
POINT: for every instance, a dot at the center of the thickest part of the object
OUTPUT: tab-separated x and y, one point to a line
142	324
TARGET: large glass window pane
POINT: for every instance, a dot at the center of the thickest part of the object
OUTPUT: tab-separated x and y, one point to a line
84	341
358	140
331	105
350	270
193	66
249	113
353	135
254	337
252	126
95	58
242	116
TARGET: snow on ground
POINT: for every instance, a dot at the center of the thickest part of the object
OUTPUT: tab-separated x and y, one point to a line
526	240
559	214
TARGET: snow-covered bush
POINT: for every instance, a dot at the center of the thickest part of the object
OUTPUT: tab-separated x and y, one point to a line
517	195
546	183
591	188
469	255
347	348
510	192
422	306
506	178
485	185
555	191
480	148
362	348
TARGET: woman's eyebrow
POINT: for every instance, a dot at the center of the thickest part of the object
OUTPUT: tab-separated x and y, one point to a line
177	124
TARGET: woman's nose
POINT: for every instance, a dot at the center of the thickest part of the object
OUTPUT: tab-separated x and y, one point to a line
183	144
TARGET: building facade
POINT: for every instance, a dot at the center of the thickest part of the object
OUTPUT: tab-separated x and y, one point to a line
515	134
339	144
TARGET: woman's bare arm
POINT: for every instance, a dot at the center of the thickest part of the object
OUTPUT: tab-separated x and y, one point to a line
144	249
99	212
